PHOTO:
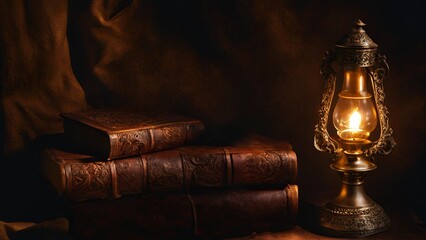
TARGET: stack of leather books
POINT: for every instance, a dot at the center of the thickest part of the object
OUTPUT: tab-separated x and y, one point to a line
134	174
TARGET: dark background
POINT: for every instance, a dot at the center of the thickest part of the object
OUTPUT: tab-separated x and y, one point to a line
240	66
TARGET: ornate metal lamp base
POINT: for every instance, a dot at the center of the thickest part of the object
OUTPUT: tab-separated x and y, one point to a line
353	221
352	213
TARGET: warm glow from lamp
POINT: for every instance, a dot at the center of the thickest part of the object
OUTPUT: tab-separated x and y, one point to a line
354	116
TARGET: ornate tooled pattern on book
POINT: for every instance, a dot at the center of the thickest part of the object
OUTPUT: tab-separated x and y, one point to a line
288	167
262	168
205	170
171	137
118	118
130	143
90	180
129	181
164	174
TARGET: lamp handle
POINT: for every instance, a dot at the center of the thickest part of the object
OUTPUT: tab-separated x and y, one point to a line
322	140
385	143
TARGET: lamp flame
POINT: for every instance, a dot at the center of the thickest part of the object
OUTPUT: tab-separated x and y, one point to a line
355	120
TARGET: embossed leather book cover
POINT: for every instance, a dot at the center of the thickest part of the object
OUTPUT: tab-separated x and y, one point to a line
184	216
80	177
117	133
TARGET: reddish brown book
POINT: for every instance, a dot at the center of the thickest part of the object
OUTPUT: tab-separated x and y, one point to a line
184	216
118	133
81	177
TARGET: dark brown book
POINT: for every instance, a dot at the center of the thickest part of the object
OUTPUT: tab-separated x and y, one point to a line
80	177
184	216
118	133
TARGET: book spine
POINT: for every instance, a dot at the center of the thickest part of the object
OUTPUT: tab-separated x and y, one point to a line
217	214
129	143
178	171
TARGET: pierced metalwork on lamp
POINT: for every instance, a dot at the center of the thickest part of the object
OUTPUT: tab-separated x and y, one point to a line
352	213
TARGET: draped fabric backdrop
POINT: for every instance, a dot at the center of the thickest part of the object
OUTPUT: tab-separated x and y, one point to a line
240	66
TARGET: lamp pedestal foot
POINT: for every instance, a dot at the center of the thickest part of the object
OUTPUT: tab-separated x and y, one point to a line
352	213
353	221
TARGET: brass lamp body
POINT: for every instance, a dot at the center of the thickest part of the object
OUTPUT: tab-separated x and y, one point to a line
352	213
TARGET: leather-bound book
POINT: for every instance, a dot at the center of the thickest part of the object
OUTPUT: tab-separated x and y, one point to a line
81	177
185	216
117	133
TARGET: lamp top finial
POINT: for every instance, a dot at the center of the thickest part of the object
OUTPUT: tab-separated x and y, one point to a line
356	47
358	38
359	23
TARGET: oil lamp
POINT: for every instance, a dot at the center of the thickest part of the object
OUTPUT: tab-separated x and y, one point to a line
355	116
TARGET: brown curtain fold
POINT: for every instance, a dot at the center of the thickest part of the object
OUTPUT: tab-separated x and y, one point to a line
36	76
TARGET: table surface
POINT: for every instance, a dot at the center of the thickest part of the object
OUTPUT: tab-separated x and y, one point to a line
405	226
